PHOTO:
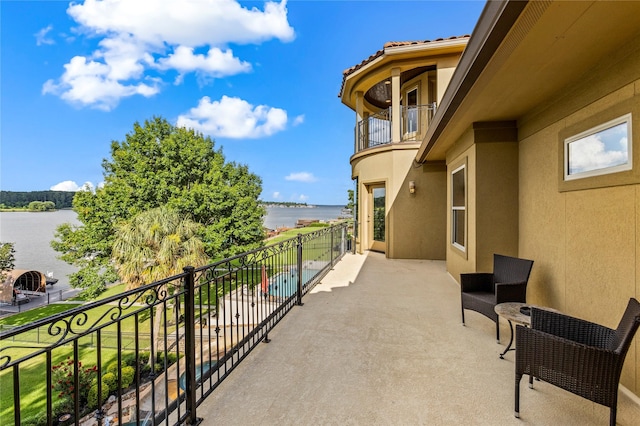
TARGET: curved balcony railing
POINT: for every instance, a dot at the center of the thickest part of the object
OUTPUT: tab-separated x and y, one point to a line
376	130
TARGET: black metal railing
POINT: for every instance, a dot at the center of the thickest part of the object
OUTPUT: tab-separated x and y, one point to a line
376	129
151	355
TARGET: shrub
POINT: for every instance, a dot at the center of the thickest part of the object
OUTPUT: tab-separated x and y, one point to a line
63	381
111	381
128	375
171	358
129	359
113	368
143	357
92	397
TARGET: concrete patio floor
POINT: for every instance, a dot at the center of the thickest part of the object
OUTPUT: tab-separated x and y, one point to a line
380	342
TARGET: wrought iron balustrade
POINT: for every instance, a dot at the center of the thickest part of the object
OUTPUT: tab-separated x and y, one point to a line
376	130
373	131
63	368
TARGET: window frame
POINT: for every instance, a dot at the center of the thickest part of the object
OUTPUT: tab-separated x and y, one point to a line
628	165
454	209
406	131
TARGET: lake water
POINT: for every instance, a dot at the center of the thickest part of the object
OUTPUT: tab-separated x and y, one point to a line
288	216
33	232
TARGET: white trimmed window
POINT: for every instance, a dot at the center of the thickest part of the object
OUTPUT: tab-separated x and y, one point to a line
458	207
600	150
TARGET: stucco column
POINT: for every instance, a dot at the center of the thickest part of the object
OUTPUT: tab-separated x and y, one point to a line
360	135
396	115
444	72
359	105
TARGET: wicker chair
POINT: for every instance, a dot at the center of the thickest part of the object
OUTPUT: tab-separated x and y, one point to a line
481	292
576	355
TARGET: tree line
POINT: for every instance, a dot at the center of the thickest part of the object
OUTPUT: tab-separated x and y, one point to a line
19	199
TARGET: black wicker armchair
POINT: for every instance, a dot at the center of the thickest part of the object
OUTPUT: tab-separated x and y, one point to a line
576	355
481	292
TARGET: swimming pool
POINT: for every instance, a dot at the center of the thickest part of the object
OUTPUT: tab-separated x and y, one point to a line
285	284
201	370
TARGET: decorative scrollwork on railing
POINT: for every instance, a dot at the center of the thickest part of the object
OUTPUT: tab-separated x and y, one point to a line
6	359
79	322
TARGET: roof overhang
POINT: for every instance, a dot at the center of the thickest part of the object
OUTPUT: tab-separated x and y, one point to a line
401	55
520	56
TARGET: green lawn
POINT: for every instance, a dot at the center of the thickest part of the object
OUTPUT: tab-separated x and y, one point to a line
110	291
32	378
35	314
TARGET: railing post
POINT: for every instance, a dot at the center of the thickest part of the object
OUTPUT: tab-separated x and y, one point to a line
331	250
190	345
299	302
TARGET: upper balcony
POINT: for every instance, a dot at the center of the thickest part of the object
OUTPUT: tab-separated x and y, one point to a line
394	92
377	129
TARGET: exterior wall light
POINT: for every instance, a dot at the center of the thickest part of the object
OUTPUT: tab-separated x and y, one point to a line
412	187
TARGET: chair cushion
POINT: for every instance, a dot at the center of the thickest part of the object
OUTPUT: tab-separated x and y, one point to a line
484	296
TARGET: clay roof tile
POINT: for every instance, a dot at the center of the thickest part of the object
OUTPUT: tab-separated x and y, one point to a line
379	53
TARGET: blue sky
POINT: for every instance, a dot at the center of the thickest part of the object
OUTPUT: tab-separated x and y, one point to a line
261	78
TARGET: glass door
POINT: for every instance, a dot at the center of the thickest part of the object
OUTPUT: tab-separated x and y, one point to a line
377	218
411	116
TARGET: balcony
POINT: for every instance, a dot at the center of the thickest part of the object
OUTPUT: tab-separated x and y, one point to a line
380	341
376	341
377	129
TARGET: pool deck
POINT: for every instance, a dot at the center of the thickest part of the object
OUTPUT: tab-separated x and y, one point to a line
380	342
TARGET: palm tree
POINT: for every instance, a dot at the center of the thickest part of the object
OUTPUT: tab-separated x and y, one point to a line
154	245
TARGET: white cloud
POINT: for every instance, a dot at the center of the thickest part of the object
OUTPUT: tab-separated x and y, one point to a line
303	197
42	36
138	37
298	120
233	118
276	195
89	83
69	185
216	63
301	177
590	153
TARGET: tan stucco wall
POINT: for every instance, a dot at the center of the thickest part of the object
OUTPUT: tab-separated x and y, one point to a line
393	165
446	67
417	221
490	152
496	202
584	237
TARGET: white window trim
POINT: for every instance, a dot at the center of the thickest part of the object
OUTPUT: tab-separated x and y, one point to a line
457	208
606	170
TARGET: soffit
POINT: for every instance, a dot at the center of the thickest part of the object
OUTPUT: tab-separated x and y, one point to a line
402	55
550	46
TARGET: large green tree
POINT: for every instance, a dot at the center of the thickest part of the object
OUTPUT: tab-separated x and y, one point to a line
7	259
160	164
